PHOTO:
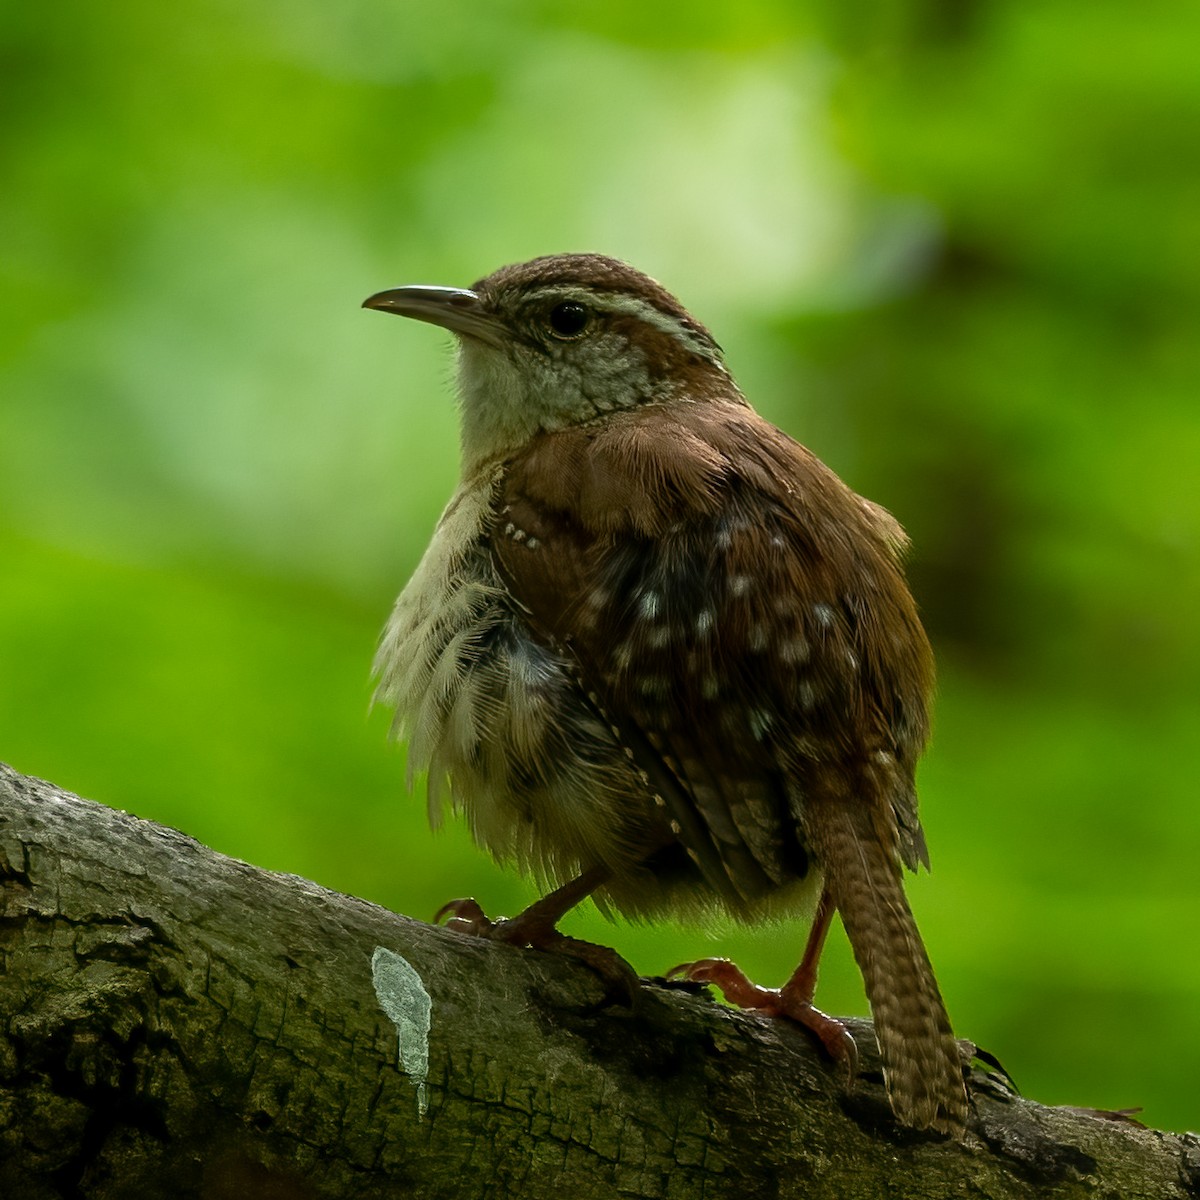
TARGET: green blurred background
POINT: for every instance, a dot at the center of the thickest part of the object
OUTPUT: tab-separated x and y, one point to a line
954	246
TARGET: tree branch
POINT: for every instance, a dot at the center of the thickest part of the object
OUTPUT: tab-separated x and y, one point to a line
176	1023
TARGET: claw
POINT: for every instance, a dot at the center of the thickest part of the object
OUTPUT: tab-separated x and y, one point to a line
535	928
731	980
739	991
465	916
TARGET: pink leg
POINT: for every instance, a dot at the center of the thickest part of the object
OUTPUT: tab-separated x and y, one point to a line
793	1000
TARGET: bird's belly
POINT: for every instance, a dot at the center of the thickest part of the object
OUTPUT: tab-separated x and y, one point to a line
531	764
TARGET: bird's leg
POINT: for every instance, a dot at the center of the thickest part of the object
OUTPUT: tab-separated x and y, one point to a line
794	999
536	927
797	994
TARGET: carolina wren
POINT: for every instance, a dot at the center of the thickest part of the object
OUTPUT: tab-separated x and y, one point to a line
664	655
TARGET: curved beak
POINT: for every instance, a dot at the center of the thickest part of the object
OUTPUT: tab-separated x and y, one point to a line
456	309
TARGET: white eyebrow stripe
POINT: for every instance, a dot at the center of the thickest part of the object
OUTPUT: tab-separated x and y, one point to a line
632	306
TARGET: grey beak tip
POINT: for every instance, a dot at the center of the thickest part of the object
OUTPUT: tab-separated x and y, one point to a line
377	300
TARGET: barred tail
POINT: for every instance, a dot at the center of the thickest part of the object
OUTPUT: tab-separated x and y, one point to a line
921	1060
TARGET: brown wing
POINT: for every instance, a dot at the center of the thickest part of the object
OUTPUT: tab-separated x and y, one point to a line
736	612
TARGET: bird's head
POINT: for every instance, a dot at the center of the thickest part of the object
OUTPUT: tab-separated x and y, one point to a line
559	341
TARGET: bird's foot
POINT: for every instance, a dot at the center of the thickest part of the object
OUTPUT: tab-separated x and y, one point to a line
774	1002
532	929
466	916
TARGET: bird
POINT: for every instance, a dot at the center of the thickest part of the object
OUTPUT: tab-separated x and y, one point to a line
659	654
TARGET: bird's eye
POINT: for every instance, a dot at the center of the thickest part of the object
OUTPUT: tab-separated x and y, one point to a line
568	319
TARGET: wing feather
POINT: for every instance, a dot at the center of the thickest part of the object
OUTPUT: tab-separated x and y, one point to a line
730	605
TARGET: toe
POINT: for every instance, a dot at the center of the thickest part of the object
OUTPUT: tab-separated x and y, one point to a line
463	916
732	982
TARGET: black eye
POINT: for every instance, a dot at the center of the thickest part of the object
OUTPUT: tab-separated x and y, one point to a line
568	319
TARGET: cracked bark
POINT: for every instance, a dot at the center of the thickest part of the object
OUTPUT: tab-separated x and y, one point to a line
175	1023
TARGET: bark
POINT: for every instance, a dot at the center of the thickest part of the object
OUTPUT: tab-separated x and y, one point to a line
179	1024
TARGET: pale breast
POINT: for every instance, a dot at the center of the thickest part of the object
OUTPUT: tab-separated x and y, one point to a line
439	624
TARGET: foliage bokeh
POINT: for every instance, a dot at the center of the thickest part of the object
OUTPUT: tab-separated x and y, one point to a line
952	247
